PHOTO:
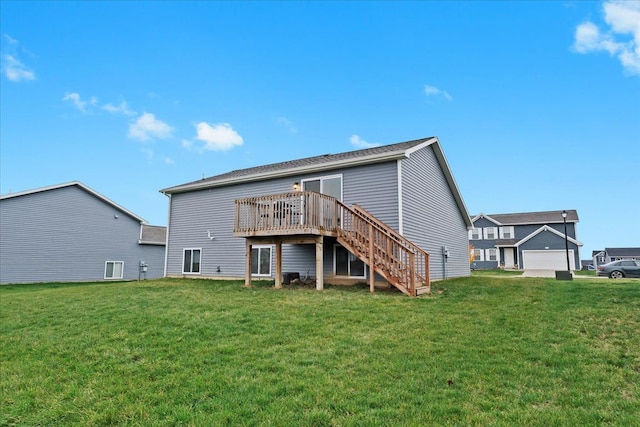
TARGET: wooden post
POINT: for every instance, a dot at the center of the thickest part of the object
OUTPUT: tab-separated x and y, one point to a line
319	264
412	274
278	264
372	267
247	279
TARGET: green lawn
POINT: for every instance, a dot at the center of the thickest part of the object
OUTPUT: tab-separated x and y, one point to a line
480	351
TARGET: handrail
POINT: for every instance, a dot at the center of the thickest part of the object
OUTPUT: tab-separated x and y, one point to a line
286	212
395	257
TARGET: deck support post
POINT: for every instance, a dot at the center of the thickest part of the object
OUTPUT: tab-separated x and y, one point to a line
319	259
278	264
247	278
372	266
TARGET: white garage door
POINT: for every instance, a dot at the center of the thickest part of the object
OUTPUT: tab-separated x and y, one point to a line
547	260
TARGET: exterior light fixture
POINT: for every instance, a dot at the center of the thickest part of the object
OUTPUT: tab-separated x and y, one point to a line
566	241
296	186
565	275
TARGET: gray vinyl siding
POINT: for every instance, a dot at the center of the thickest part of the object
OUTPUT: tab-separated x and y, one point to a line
192	214
542	241
67	234
547	239
485	244
430	216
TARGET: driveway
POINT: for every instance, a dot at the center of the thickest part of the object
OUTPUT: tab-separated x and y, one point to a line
539	273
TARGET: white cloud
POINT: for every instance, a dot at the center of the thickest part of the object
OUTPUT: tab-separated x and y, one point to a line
217	137
168	161
77	101
434	91
148	127
123	108
15	70
356	141
621	39
10	39
286	123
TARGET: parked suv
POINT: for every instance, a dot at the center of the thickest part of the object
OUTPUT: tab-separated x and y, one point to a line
620	269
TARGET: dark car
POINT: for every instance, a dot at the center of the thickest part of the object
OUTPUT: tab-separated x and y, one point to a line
620	269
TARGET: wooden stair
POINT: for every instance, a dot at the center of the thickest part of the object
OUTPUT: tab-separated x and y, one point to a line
399	261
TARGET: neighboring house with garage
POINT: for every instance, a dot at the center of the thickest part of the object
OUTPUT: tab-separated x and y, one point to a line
614	254
385	215
529	240
71	233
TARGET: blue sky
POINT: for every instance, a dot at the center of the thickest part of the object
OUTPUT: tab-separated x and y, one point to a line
536	104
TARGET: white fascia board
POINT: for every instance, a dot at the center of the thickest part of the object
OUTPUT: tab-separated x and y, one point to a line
547	228
85	188
477	217
376	158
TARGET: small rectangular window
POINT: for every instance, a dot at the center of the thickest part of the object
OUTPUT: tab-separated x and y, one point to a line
491	233
191	261
113	269
507	232
492	254
261	260
478	255
475	234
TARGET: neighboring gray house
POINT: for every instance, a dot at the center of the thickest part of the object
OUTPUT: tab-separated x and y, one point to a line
614	254
303	209
69	232
531	240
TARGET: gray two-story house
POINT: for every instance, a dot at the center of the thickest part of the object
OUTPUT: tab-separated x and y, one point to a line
385	215
71	233
530	240
614	254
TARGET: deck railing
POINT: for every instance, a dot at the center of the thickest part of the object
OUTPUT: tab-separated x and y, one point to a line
397	259
288	213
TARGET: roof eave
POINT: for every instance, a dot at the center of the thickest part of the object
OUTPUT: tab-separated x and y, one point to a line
377	158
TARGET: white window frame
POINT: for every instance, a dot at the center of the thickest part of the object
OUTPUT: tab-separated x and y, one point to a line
184	251
106	264
478	255
322	179
488	254
495	233
471	233
510	229
260	248
349	276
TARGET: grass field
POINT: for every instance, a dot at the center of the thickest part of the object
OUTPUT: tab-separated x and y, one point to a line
479	351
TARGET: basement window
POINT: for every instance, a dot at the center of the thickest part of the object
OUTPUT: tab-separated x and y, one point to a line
261	261
191	260
113	269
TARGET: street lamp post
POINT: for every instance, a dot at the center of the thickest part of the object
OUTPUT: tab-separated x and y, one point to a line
566	240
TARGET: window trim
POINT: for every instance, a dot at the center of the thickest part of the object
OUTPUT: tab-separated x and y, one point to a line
488	255
479	230
259	248
349	276
184	251
480	253
322	178
511	230
106	263
486	233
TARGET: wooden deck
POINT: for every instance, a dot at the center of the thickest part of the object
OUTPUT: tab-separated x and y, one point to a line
296	213
307	217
